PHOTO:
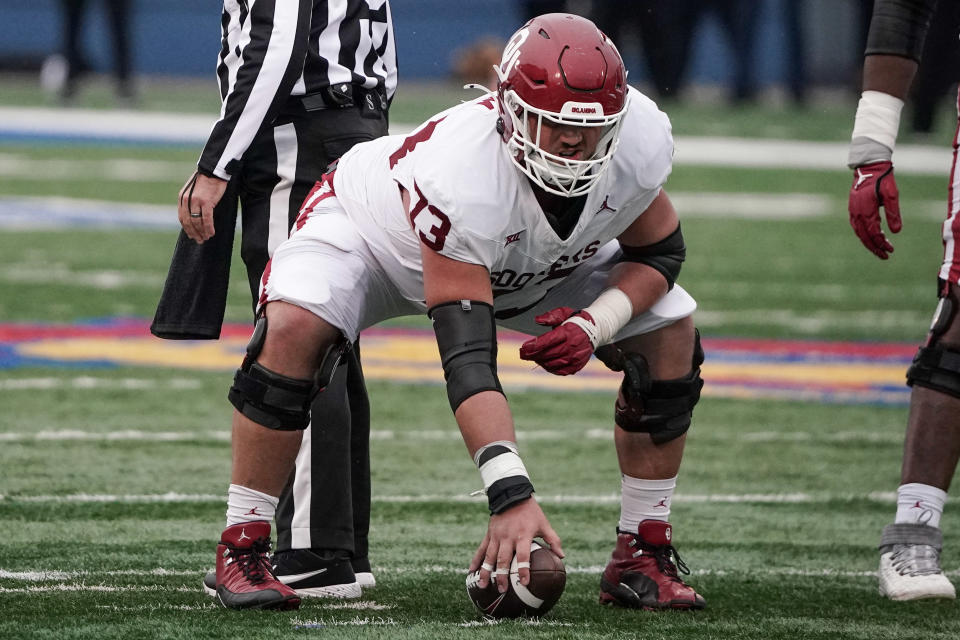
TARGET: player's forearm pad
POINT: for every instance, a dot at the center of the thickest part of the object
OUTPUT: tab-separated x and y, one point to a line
899	27
665	256
467	339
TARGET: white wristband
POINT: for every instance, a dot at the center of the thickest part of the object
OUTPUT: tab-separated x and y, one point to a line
878	118
611	311
505	465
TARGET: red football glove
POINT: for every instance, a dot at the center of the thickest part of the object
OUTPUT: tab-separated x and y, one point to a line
874	187
564	350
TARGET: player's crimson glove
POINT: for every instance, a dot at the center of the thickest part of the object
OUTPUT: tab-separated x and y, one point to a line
567	348
874	187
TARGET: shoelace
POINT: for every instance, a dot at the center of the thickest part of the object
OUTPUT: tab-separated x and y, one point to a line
253	561
915	559
668	560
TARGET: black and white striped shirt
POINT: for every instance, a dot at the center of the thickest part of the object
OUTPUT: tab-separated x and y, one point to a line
274	49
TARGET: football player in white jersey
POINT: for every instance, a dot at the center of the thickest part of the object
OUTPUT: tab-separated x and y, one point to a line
538	207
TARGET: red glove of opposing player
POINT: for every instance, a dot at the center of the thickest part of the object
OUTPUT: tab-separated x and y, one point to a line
874	187
564	350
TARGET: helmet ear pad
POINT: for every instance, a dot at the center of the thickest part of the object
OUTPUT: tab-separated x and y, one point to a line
559	68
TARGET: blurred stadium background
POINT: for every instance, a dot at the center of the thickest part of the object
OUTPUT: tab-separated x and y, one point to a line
173	38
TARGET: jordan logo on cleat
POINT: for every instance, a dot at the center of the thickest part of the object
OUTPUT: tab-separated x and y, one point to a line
243	535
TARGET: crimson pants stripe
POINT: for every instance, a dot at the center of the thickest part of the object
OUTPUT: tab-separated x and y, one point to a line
950	270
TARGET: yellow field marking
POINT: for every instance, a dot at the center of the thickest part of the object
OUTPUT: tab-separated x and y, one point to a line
408	357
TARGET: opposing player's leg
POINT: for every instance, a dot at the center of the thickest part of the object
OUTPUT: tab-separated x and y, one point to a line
910	547
661	386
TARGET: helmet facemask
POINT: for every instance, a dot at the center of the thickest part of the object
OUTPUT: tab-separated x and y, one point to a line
554	173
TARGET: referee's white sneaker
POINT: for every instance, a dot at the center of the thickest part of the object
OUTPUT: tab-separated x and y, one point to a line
910	563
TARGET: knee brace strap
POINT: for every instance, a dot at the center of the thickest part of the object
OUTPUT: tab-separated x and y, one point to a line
936	367
274	400
662	408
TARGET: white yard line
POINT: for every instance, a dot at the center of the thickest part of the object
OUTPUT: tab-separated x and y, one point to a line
116	126
769	153
72	435
93	382
452	435
884	497
64	579
193	129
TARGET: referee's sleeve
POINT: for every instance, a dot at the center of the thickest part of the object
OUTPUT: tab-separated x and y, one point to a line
271	61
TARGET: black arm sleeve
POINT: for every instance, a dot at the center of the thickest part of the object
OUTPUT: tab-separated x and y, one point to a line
899	27
467	339
665	256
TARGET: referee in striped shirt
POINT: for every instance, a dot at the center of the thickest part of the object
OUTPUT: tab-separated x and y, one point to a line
301	82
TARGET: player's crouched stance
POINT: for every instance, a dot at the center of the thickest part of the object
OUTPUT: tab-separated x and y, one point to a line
538	208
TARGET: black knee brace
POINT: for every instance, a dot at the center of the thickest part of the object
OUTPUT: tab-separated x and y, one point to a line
937	366
662	408
274	400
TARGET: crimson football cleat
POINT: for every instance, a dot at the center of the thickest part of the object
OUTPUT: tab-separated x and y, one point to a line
245	579
643	572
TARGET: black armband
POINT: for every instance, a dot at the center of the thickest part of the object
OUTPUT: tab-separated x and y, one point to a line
665	256
467	339
507	493
899	27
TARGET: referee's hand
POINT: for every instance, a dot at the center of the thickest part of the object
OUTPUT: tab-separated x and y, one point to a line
198	197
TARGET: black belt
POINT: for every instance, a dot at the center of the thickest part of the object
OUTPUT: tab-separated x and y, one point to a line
343	96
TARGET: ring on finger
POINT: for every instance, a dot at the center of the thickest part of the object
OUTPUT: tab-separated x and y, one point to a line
196	215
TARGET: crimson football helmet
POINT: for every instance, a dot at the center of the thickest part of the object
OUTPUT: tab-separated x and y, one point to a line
561	69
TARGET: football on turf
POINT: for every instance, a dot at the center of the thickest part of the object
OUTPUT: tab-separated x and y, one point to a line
548	577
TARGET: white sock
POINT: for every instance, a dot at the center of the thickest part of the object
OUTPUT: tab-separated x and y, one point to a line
644	500
920	504
248	505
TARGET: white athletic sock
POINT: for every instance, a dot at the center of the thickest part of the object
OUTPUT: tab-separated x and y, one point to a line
644	500
920	504
248	505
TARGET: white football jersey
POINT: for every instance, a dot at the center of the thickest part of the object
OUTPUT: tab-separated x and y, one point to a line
470	202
